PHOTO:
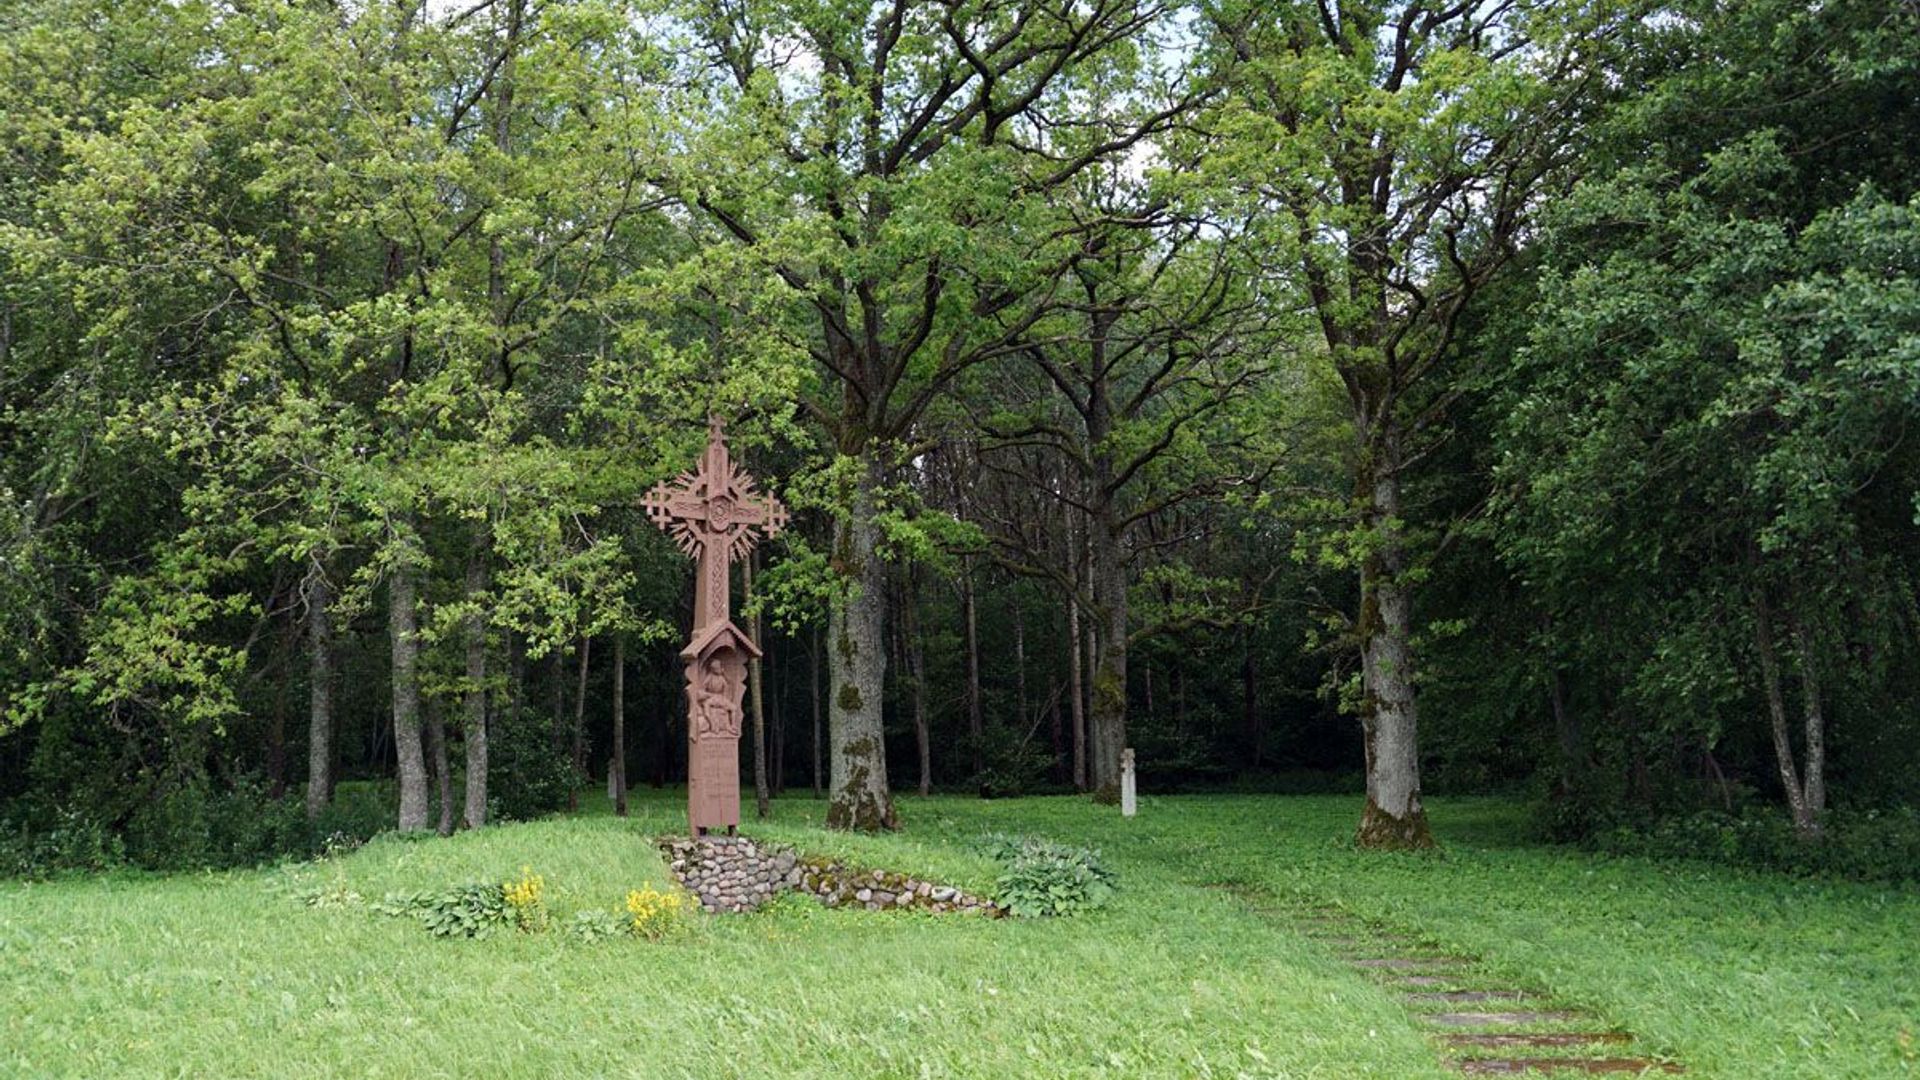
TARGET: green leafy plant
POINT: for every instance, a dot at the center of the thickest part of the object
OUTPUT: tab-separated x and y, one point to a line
598	924
1044	878
474	910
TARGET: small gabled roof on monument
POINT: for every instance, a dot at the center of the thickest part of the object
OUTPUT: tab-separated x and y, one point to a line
716	635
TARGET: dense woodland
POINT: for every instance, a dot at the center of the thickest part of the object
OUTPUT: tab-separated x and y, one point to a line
1395	397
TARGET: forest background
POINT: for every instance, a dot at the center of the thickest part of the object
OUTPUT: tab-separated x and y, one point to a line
1371	397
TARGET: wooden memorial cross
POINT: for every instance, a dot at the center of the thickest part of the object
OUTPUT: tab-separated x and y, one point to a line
715	516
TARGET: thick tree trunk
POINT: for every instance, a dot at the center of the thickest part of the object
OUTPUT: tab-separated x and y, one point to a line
436	732
856	659
1108	576
1389	716
617	770
756	703
474	815
402	623
319	695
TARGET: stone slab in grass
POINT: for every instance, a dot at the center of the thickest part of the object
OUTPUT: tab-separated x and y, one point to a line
1496	1040
1512	1018
1410	963
1445	997
1589	1066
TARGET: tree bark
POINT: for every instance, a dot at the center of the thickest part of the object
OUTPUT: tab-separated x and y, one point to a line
1389	716
1763	648
319	694
1020	658
617	771
411	766
1108	576
579	755
474	815
1814	727
814	656
756	702
856	658
1077	690
917	671
436	733
976	728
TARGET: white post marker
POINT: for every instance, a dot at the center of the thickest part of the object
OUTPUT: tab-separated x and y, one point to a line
1128	804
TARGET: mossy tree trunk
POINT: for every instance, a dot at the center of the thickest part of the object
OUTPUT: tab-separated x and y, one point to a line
1389	713
856	667
474	814
411	766
319	693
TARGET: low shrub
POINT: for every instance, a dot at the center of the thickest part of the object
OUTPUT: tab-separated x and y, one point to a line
1861	845
1043	878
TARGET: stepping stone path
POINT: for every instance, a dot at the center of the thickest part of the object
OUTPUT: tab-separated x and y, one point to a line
1525	1037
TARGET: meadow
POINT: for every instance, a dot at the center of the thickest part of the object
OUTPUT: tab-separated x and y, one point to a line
1194	970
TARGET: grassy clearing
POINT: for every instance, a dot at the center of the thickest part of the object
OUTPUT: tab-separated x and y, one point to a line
227	975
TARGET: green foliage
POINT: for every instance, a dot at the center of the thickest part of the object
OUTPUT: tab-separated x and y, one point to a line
1858	845
474	910
599	924
1045	878
528	776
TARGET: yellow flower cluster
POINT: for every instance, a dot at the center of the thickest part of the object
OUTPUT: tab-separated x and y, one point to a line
656	914
526	898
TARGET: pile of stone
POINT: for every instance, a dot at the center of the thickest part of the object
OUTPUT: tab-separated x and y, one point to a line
732	873
878	890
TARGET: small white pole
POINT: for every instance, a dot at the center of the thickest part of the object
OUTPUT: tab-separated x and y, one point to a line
1128	804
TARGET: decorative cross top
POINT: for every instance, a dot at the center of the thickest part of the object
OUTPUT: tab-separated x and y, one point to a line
715	515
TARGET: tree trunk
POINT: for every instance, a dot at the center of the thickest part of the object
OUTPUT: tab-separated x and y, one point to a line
777	727
813	697
1062	756
579	755
1250	700
1078	692
756	702
411	766
436	732
917	671
1108	576
319	694
474	815
1804	820
1389	716
617	770
856	659
1814	727
557	677
976	728
1020	659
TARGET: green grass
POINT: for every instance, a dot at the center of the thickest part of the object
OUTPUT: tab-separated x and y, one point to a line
229	975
